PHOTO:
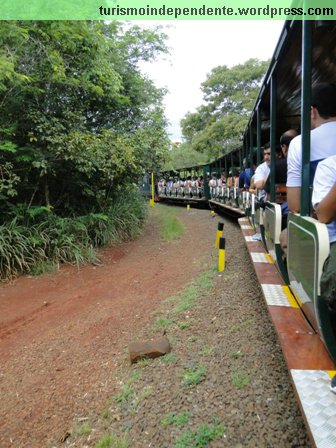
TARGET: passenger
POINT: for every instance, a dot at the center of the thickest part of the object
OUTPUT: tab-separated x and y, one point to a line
322	140
261	173
280	174
322	145
252	188
235	177
324	203
213	184
244	176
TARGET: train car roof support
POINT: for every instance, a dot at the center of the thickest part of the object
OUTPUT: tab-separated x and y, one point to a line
273	135
305	114
258	136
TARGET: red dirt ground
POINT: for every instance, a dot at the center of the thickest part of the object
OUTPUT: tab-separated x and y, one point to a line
61	333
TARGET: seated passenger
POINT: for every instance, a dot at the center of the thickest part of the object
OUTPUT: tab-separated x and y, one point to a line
262	171
280	175
322	140
244	176
324	203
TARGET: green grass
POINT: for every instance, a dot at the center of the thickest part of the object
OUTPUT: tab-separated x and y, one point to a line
112	441
194	375
206	279
236	355
245	323
171	226
188	298
135	375
240	379
146	392
200	438
42	267
169	358
206	351
143	362
178	420
163	323
35	241
184	325
83	430
126	397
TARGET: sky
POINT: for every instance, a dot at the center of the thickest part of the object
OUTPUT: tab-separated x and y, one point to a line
196	47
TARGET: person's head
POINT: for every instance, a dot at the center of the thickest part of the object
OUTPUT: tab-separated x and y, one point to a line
285	140
323	103
267	153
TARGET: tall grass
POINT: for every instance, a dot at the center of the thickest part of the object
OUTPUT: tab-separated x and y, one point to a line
171	226
29	245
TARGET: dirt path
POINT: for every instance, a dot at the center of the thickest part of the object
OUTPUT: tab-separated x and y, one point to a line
61	333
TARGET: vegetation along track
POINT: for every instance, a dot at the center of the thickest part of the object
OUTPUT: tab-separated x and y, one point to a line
65	374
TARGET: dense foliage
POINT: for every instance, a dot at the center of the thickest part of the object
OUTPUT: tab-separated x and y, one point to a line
78	124
229	95
77	117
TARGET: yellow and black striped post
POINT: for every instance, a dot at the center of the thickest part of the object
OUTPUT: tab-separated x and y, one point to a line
151	201
221	255
219	234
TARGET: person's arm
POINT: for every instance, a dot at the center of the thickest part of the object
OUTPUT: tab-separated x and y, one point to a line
293	198
294	175
326	209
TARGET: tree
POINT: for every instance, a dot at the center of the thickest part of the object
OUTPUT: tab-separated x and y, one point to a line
229	95
77	117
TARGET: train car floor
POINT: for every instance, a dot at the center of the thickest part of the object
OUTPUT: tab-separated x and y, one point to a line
308	361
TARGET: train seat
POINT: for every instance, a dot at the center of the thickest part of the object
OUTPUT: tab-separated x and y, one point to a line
308	248
272	225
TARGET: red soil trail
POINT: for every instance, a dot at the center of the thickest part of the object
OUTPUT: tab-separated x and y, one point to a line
61	334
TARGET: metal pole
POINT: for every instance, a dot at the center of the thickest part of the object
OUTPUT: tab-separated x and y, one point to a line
305	114
273	137
258	134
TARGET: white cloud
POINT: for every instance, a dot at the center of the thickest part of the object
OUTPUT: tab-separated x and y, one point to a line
199	46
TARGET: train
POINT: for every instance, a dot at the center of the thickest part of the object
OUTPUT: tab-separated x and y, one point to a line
304	57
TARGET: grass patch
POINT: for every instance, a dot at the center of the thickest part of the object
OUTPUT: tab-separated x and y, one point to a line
240	379
178	420
188	298
163	323
206	279
146	392
169	358
83	430
126	398
192	339
171	226
112	441
134	376
237	327
206	351
143	362
184	325
194	375
200	438
236	355
42	267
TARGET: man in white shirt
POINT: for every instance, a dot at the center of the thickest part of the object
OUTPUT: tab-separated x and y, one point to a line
324	203
323	140
262	172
